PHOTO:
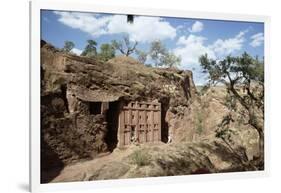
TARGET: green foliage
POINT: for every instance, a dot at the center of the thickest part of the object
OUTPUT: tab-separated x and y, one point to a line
125	46
233	69
142	56
161	56
91	49
141	157
242	72
223	131
236	73
170	60
157	50
107	52
68	46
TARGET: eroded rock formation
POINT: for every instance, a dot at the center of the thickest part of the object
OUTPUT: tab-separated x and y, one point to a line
73	87
80	100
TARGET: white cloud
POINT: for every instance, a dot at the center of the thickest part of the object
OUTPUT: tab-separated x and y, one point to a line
196	27
191	47
257	39
228	46
86	22
143	29
180	27
76	51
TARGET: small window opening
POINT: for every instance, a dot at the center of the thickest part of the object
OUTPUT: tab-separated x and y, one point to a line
95	108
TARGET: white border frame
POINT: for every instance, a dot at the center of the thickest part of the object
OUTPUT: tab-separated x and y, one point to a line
35	8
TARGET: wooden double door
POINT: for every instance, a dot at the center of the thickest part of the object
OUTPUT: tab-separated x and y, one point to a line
139	122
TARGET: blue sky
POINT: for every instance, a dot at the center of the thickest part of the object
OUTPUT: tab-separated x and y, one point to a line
187	38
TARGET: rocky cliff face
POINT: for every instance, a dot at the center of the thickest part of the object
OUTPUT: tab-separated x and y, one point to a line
72	85
73	127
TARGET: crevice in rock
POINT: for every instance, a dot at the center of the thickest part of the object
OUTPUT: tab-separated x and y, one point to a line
165	104
185	83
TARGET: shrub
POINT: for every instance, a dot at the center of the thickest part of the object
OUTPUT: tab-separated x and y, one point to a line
141	158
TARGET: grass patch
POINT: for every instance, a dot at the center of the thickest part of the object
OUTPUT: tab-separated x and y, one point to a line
141	157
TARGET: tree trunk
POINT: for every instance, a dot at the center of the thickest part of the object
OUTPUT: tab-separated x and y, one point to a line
253	118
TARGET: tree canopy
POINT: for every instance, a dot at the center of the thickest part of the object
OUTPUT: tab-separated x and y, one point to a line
170	60
68	46
142	56
161	56
91	49
125	46
107	52
157	50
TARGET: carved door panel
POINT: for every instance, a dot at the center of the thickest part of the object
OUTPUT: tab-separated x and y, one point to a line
139	122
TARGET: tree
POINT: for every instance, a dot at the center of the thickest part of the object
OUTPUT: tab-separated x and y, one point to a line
169	59
125	46
68	46
243	77
91	49
107	52
157	50
161	56
142	56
